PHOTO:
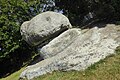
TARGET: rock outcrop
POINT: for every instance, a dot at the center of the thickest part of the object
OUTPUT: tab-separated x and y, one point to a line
76	49
43	27
58	44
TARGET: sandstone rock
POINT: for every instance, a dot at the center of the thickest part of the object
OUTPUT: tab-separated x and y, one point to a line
43	27
89	47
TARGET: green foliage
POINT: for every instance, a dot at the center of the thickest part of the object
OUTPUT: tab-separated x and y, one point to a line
108	10
74	9
13	50
13	13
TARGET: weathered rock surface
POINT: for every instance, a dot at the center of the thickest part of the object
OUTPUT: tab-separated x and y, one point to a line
60	43
44	26
88	47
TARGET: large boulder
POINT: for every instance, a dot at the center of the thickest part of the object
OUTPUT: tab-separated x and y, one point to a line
87	48
44	27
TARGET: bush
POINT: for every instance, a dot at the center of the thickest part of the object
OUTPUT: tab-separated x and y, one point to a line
13	50
108	10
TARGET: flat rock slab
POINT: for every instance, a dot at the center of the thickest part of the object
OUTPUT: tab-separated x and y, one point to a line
89	47
61	42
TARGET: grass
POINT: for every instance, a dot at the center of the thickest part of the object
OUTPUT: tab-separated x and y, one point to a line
107	69
14	76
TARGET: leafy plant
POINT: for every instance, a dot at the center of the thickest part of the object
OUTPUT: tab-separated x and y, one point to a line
13	50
